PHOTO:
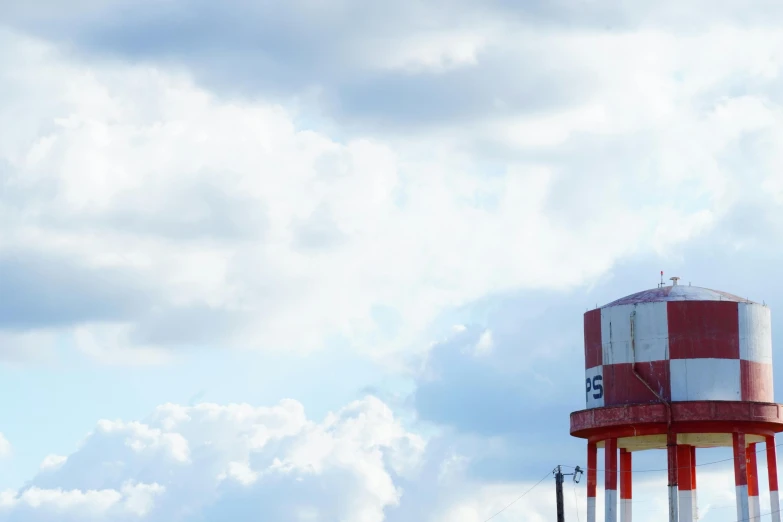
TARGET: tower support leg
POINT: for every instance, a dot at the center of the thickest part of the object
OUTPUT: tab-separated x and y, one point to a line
772	470
741	477
610	480
693	483
626	492
592	479
671	453
685	482
754	506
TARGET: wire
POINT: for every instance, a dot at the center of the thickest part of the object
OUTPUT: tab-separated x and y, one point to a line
576	504
762	450
576	499
758	516
520	496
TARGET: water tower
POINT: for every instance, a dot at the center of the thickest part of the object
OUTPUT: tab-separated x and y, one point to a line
678	368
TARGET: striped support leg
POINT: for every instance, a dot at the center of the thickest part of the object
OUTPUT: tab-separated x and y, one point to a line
754	506
592	479
671	454
685	482
693	483
610	480
741	477
772	469
626	493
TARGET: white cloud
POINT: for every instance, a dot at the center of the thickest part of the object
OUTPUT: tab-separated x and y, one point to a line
51	462
143	439
433	52
247	231
485	343
358	464
185	463
240	472
131	501
240	227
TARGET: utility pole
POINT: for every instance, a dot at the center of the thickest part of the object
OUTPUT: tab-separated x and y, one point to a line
559	479
559	489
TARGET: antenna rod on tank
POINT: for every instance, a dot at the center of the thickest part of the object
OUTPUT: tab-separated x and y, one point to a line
661	285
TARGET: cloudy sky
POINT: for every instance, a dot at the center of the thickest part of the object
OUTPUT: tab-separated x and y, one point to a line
328	260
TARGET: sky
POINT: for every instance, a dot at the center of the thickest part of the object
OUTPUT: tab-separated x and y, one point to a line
327	261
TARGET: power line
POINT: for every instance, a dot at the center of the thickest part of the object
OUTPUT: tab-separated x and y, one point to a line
762	450
576	499
761	515
576	504
520	496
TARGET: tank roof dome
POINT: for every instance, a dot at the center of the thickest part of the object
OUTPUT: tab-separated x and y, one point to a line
677	293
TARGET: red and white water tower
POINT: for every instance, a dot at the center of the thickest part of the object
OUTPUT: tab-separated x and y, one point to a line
679	368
